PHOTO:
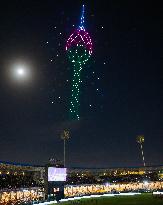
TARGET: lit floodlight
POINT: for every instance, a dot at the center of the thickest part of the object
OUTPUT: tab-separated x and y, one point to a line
107	184
145	183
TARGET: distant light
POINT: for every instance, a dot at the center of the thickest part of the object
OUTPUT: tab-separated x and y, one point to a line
98	78
90	105
157	192
107	184
145	182
20	71
47	42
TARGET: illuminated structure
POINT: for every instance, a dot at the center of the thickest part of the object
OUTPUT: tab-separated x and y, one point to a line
21	196
140	140
81	190
13	195
36	172
55	177
14	176
65	136
79	49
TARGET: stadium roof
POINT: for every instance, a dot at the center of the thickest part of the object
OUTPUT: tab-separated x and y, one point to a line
19	164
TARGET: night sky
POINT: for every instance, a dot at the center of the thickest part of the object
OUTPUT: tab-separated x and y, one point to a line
120	94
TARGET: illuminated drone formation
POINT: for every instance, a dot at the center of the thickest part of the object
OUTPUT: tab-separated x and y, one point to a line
79	49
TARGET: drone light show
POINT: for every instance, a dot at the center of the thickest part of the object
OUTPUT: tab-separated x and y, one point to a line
79	49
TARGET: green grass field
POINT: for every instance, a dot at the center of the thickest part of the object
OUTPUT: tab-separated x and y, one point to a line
143	199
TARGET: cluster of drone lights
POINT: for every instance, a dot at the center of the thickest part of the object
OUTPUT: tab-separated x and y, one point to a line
79	48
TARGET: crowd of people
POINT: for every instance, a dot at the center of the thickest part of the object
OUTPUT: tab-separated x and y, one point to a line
80	190
120	177
16	187
12	181
21	195
36	194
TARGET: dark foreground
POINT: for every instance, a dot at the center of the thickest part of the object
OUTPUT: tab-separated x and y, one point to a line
143	199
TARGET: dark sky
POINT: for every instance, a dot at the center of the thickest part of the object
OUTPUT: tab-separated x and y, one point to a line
121	94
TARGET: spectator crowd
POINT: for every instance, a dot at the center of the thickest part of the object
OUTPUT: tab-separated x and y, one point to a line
80	190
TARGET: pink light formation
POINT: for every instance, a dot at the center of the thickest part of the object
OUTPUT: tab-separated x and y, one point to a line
80	38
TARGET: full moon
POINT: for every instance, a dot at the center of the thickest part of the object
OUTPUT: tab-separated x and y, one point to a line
20	72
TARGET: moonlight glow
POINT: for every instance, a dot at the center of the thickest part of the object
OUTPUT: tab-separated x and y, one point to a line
20	72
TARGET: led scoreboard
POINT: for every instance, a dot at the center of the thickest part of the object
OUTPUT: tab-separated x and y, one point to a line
55	178
56	174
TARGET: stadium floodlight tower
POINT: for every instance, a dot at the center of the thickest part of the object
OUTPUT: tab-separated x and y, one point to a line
65	135
140	140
